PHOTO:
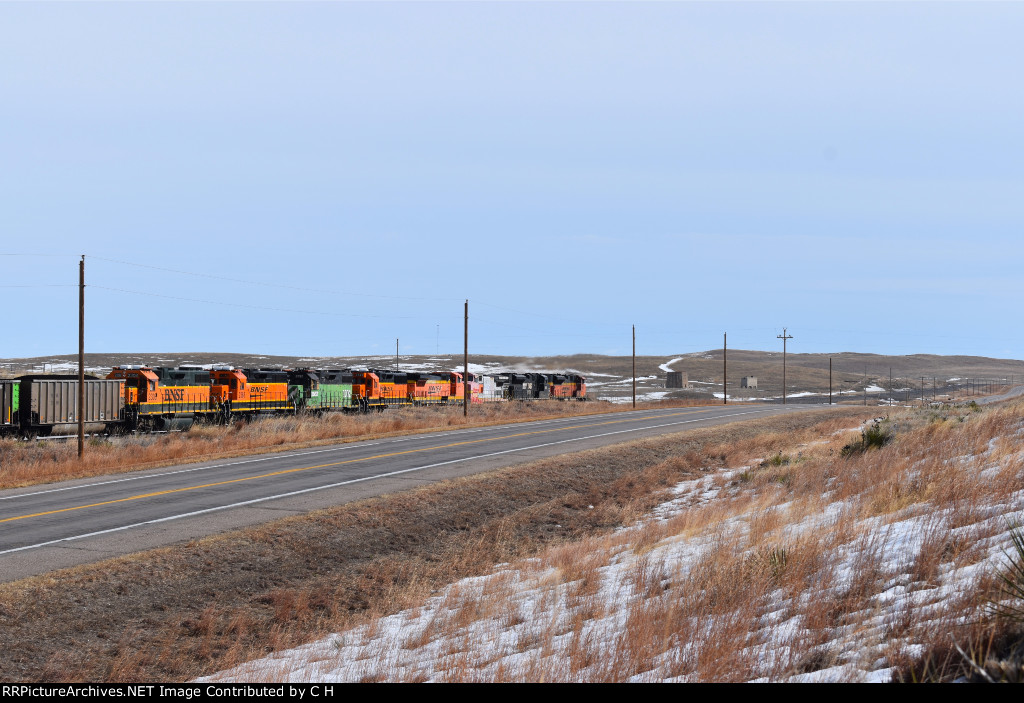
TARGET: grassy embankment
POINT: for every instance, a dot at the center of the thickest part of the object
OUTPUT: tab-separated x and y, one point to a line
871	555
806	549
179	612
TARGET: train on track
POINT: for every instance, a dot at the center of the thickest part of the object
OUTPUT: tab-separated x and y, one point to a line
143	398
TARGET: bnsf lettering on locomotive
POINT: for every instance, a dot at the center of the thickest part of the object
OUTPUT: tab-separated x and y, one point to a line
174	394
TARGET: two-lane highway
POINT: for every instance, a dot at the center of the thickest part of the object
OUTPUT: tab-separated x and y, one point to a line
59	525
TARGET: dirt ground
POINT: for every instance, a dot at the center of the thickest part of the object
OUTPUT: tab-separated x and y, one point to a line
181	612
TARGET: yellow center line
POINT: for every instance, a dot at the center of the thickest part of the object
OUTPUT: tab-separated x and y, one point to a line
341	463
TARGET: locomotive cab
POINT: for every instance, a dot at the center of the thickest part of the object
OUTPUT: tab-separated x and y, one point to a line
303	387
228	384
366	386
140	383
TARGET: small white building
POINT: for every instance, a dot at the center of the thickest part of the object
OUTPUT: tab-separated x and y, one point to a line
748	382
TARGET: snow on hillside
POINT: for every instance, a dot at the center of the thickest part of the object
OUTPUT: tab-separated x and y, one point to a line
834	581
667	366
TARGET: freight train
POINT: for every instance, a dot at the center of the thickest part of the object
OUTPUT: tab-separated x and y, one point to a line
143	398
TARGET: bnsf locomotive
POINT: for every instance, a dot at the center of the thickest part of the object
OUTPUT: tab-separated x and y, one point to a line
157	398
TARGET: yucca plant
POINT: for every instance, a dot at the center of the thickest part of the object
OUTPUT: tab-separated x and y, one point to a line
1011	601
874	437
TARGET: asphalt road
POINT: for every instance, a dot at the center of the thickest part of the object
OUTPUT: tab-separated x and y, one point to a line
1012	393
60	525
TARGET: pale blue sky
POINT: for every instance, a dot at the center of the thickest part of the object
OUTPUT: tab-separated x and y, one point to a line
853	171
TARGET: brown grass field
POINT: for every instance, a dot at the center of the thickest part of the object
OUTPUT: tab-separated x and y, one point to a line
209	605
900	577
805	372
181	612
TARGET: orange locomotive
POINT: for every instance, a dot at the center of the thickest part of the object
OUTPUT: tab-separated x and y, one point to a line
366	389
429	388
458	389
165	398
566	386
250	390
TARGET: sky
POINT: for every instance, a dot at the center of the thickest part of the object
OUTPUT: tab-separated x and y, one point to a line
323	178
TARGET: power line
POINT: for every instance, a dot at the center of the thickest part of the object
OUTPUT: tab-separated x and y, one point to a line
267	284
784	337
251	307
561	318
534	332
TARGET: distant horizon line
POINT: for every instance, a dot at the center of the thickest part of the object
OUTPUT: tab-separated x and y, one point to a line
72	356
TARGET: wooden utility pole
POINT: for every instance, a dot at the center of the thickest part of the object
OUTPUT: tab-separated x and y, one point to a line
81	358
890	386
465	363
396	355
725	368
784	337
634	367
830	380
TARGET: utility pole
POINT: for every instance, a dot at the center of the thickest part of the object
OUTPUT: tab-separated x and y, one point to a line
922	390
634	367
890	386
830	380
437	341
465	363
865	384
81	358
784	337
396	355
725	368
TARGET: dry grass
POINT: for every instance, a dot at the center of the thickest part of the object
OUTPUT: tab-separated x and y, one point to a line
786	568
176	613
29	463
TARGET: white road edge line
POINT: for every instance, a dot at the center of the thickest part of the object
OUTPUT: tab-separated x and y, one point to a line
336	448
355	480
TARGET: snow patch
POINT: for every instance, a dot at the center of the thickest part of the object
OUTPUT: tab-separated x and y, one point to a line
667	366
